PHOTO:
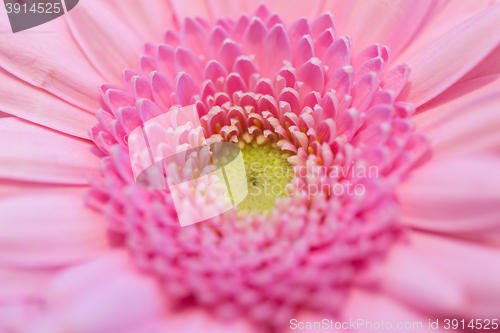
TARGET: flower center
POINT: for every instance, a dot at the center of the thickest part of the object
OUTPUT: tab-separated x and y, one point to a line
268	174
293	99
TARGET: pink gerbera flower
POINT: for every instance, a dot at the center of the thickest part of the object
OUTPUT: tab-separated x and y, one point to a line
380	119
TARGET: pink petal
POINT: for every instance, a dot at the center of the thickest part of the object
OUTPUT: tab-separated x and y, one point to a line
162	88
148	18
455	193
97	24
18	283
323	42
95	297
337	55
53	62
396	78
165	56
297	30
187	9
311	73
375	65
309	9
442	19
341	81
31	152
363	90
215	40
56	230
185	89
390	23
377	307
490	65
228	53
304	50
254	37
275	51
432	70
36	105
471	127
187	61
196	320
454	96
220	8
472	266
193	36
324	22
407	276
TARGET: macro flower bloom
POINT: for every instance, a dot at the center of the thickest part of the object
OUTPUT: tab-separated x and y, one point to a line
376	121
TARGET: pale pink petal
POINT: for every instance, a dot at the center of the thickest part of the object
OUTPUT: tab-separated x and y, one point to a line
221	8
392	23
149	17
291	11
437	67
25	101
9	188
31	152
444	17
49	58
190	8
454	96
57	229
490	65
21	283
105	295
275	50
470	127
408	277
377	307
457	193
107	40
474	267
190	321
